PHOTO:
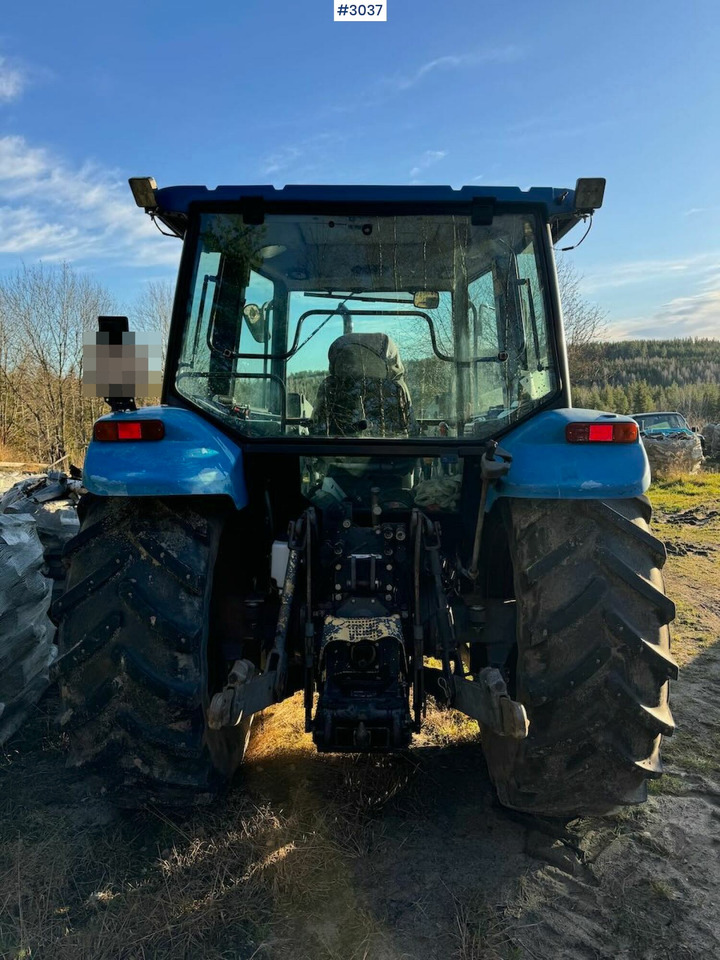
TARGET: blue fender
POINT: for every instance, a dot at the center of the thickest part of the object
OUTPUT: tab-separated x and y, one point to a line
193	458
545	466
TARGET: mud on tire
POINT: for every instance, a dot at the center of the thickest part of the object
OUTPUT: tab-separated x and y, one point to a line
26	633
133	649
593	665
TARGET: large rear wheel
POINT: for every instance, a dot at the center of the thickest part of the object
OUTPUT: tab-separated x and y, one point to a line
134	641
593	665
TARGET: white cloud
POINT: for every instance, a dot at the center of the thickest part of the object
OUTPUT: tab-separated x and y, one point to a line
281	160
696	315
304	158
645	271
52	210
454	61
12	81
694	211
429	158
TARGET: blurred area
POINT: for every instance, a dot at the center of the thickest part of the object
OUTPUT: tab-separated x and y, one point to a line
128	368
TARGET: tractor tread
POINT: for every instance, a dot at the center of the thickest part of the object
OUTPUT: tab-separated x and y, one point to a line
186	745
658	718
656	546
79	592
550	562
92	705
577	609
650	766
659	659
664	607
183	637
593	658
132	636
90	642
165	558
541	689
167	688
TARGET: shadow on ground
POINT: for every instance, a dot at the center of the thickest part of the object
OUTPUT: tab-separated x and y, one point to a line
375	858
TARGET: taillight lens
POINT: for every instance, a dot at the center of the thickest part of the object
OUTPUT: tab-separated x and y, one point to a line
601	432
110	431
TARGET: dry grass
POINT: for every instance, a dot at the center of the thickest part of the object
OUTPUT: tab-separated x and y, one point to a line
181	891
481	932
253	877
10	454
443	726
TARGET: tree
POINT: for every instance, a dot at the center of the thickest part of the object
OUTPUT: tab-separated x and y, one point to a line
641	398
585	324
153	311
45	311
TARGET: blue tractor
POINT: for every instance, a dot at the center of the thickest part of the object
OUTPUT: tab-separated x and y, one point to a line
366	482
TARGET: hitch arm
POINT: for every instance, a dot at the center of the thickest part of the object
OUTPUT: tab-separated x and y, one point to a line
486	700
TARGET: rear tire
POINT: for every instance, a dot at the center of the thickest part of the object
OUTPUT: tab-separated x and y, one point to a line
26	633
52	501
593	665
133	646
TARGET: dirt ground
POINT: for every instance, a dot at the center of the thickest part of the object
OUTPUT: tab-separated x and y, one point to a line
338	858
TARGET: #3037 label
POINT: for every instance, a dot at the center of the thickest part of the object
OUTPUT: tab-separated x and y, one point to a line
351	12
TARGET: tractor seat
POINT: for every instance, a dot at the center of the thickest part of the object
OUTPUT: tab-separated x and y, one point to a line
365	393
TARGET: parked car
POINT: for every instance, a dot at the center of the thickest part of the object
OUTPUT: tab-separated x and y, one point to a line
665	423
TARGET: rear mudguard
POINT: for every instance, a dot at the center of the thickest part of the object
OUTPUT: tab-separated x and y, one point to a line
196	458
193	458
546	467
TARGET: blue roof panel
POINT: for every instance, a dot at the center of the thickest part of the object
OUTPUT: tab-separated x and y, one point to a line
559	201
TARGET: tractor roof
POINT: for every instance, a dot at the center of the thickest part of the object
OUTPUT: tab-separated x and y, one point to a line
173	203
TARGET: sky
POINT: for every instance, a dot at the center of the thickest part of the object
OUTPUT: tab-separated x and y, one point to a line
460	92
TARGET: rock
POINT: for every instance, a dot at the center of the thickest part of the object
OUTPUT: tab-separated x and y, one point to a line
673	453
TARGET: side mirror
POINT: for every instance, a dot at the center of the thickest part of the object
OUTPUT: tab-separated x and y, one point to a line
256	320
426	299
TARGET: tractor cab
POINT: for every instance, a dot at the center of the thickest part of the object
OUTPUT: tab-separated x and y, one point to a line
404	322
376	338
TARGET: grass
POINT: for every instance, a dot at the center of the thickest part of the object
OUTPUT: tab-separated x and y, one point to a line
685	491
668	784
480	934
443	726
694	753
691	578
281	869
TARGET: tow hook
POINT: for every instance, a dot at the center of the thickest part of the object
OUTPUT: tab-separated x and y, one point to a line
227	708
486	700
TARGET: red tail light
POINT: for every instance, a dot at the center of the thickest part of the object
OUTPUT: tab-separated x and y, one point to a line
622	432
109	431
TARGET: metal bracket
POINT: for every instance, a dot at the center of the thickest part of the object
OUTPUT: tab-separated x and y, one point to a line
485	699
243	695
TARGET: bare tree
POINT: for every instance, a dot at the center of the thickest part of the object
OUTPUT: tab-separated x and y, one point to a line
585	324
45	311
153	310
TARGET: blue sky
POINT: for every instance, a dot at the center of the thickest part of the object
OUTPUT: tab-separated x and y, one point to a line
464	91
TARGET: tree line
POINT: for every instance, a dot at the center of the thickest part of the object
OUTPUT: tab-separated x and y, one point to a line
636	376
44	313
46	310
